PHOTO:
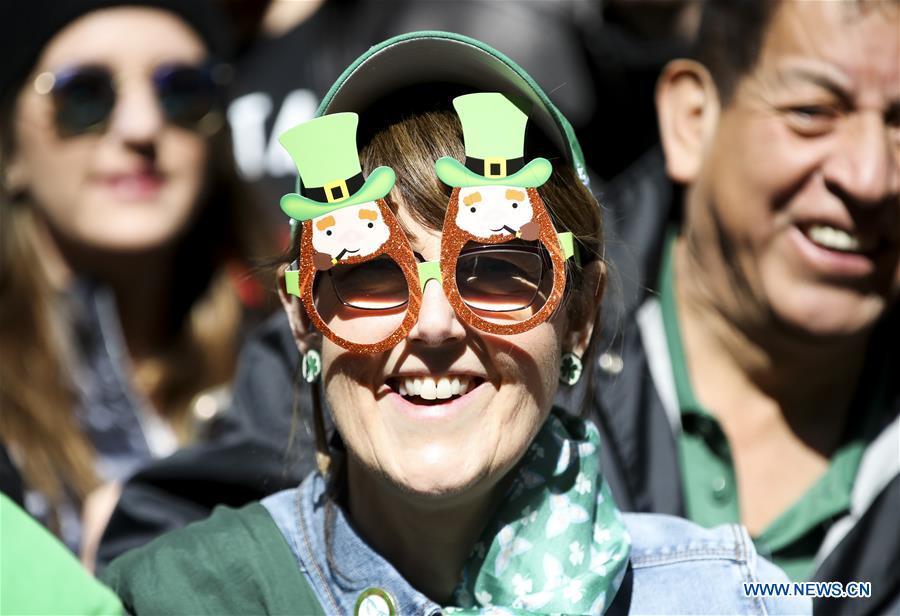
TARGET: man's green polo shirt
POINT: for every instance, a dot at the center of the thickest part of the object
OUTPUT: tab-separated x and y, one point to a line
707	468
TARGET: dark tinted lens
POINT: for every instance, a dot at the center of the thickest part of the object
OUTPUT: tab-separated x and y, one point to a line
501	279
84	98
363	303
186	93
374	285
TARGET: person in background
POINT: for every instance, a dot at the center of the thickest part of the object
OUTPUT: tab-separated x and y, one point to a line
122	218
755	374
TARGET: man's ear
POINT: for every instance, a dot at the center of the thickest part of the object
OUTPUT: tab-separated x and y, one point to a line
687	107
581	322
305	335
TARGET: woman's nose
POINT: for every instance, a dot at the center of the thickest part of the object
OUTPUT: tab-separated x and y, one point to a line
437	323
137	117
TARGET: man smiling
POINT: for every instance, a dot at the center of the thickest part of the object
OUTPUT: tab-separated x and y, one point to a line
757	378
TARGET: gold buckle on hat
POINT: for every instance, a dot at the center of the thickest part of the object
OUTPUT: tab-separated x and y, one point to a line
342	184
497	160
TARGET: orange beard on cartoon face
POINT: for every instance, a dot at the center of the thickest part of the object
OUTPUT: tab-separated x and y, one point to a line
395	246
454	240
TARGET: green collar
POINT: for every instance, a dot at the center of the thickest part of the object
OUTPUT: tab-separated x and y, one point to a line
706	458
687	401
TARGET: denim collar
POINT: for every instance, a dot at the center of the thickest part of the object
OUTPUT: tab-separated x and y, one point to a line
300	515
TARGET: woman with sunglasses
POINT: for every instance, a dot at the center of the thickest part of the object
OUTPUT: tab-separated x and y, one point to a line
120	216
447	277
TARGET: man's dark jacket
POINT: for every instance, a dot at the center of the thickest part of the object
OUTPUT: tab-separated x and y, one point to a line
640	457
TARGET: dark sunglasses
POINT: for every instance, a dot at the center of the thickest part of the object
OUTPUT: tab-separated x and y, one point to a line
489	279
84	96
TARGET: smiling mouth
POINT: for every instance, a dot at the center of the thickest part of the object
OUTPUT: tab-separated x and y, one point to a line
427	390
136	185
841	240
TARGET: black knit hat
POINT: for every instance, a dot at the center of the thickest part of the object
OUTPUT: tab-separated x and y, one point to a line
27	25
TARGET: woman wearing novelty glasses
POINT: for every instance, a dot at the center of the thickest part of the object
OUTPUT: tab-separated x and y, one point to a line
119	214
441	300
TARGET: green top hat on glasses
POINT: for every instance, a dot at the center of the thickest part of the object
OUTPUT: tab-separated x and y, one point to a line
324	150
494	134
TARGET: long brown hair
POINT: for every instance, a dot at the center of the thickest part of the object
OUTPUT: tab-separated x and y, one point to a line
37	399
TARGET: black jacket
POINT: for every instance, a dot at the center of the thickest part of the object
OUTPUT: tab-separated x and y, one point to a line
261	446
640	453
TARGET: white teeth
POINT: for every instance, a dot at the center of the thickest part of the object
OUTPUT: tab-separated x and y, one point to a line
429	388
838	239
443	388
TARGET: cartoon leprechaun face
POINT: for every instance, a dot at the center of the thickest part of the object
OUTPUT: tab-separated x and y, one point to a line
355	230
486	211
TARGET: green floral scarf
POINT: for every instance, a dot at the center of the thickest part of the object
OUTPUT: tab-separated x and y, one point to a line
558	543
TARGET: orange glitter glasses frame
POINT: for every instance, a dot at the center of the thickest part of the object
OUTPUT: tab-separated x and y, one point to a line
499	285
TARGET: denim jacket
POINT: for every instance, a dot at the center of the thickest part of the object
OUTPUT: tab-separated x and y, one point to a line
678	567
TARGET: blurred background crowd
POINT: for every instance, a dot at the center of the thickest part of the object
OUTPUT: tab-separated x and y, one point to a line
122	413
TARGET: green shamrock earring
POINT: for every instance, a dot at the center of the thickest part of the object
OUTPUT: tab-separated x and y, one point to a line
311	367
570	368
